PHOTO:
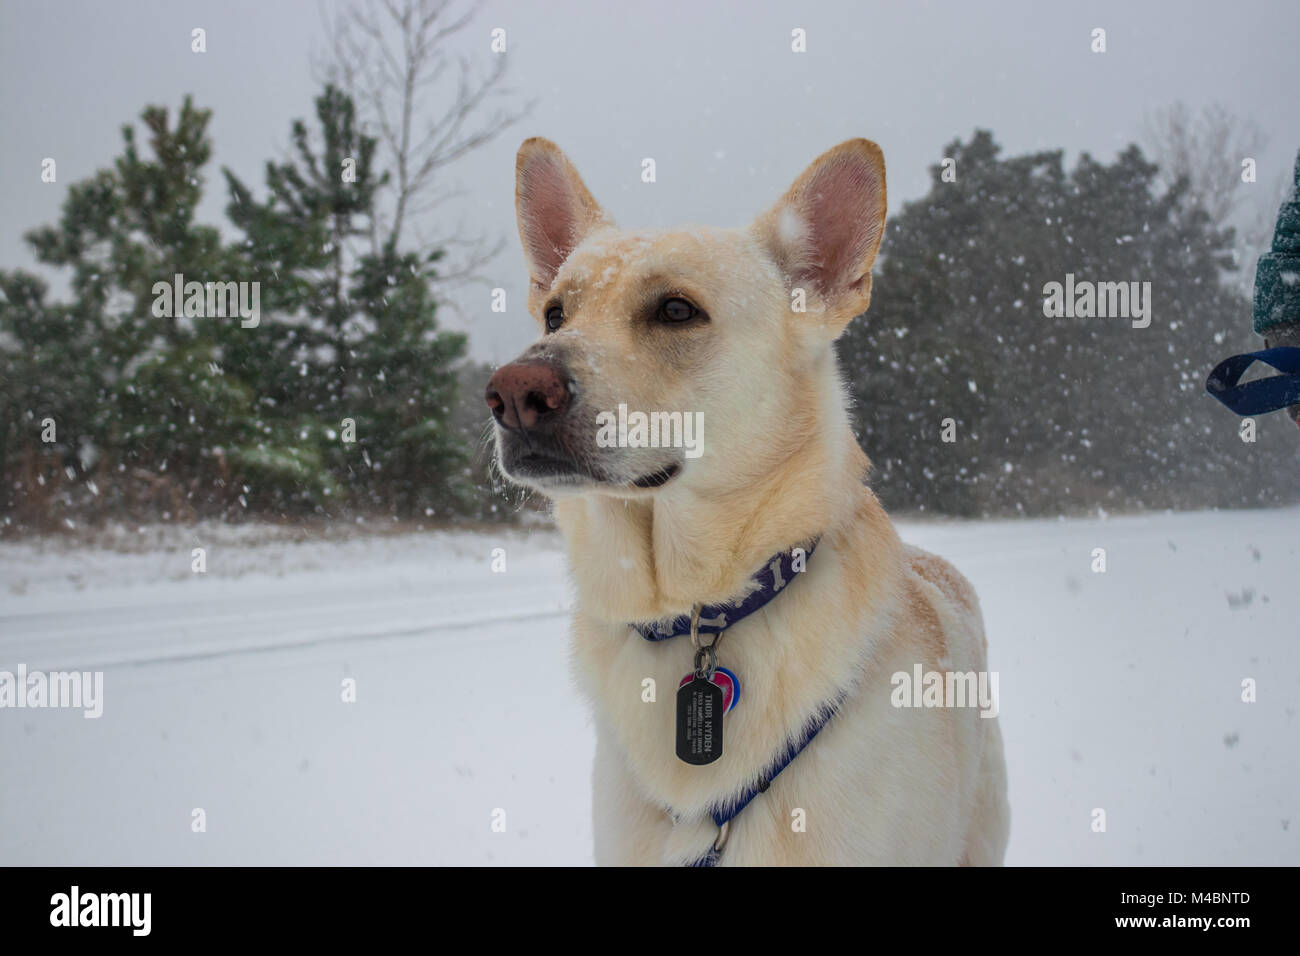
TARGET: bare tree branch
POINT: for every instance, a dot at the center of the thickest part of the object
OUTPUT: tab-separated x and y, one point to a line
1207	147
394	58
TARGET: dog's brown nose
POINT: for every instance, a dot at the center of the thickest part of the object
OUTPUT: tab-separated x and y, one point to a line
525	394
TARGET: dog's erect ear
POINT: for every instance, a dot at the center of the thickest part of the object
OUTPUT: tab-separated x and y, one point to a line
554	208
825	231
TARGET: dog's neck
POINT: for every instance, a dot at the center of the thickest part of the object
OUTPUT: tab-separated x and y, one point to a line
664	554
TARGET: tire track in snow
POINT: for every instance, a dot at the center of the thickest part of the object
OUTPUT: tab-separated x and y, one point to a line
199	635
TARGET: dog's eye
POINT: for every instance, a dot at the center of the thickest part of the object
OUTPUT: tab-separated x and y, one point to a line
677	310
554	318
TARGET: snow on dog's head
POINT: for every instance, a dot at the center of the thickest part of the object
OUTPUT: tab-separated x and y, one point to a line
689	359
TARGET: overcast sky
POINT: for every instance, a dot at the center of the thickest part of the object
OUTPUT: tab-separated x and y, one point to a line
711	91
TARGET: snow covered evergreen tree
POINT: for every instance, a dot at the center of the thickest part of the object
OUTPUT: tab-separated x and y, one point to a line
1050	414
335	396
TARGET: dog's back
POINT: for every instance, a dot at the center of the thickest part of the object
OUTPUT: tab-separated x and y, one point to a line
940	597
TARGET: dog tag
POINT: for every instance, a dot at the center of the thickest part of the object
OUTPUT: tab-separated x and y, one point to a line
699	722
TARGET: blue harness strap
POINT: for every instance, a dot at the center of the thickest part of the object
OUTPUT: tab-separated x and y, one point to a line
726	812
1262	395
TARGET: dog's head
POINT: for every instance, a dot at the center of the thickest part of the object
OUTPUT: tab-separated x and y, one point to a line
667	357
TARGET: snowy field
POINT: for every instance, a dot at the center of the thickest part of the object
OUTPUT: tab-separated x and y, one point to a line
222	691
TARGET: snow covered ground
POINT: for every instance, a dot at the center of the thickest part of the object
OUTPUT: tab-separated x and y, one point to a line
222	691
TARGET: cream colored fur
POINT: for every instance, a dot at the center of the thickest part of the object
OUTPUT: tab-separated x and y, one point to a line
880	784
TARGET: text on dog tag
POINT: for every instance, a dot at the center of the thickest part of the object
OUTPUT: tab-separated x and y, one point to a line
699	722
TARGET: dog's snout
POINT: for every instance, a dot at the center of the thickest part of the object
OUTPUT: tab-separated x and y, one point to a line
525	395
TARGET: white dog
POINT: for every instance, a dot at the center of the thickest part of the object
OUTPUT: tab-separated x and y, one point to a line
684	412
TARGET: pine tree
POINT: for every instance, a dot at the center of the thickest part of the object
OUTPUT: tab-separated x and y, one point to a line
358	340
168	411
129	391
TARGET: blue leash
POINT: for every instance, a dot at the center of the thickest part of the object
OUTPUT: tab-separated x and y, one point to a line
1262	395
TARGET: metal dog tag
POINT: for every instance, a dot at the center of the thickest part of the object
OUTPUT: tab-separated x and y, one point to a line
699	722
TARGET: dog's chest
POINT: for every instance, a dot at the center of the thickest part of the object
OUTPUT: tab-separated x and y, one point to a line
634	684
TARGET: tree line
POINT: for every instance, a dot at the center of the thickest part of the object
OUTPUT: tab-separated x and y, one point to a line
343	396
